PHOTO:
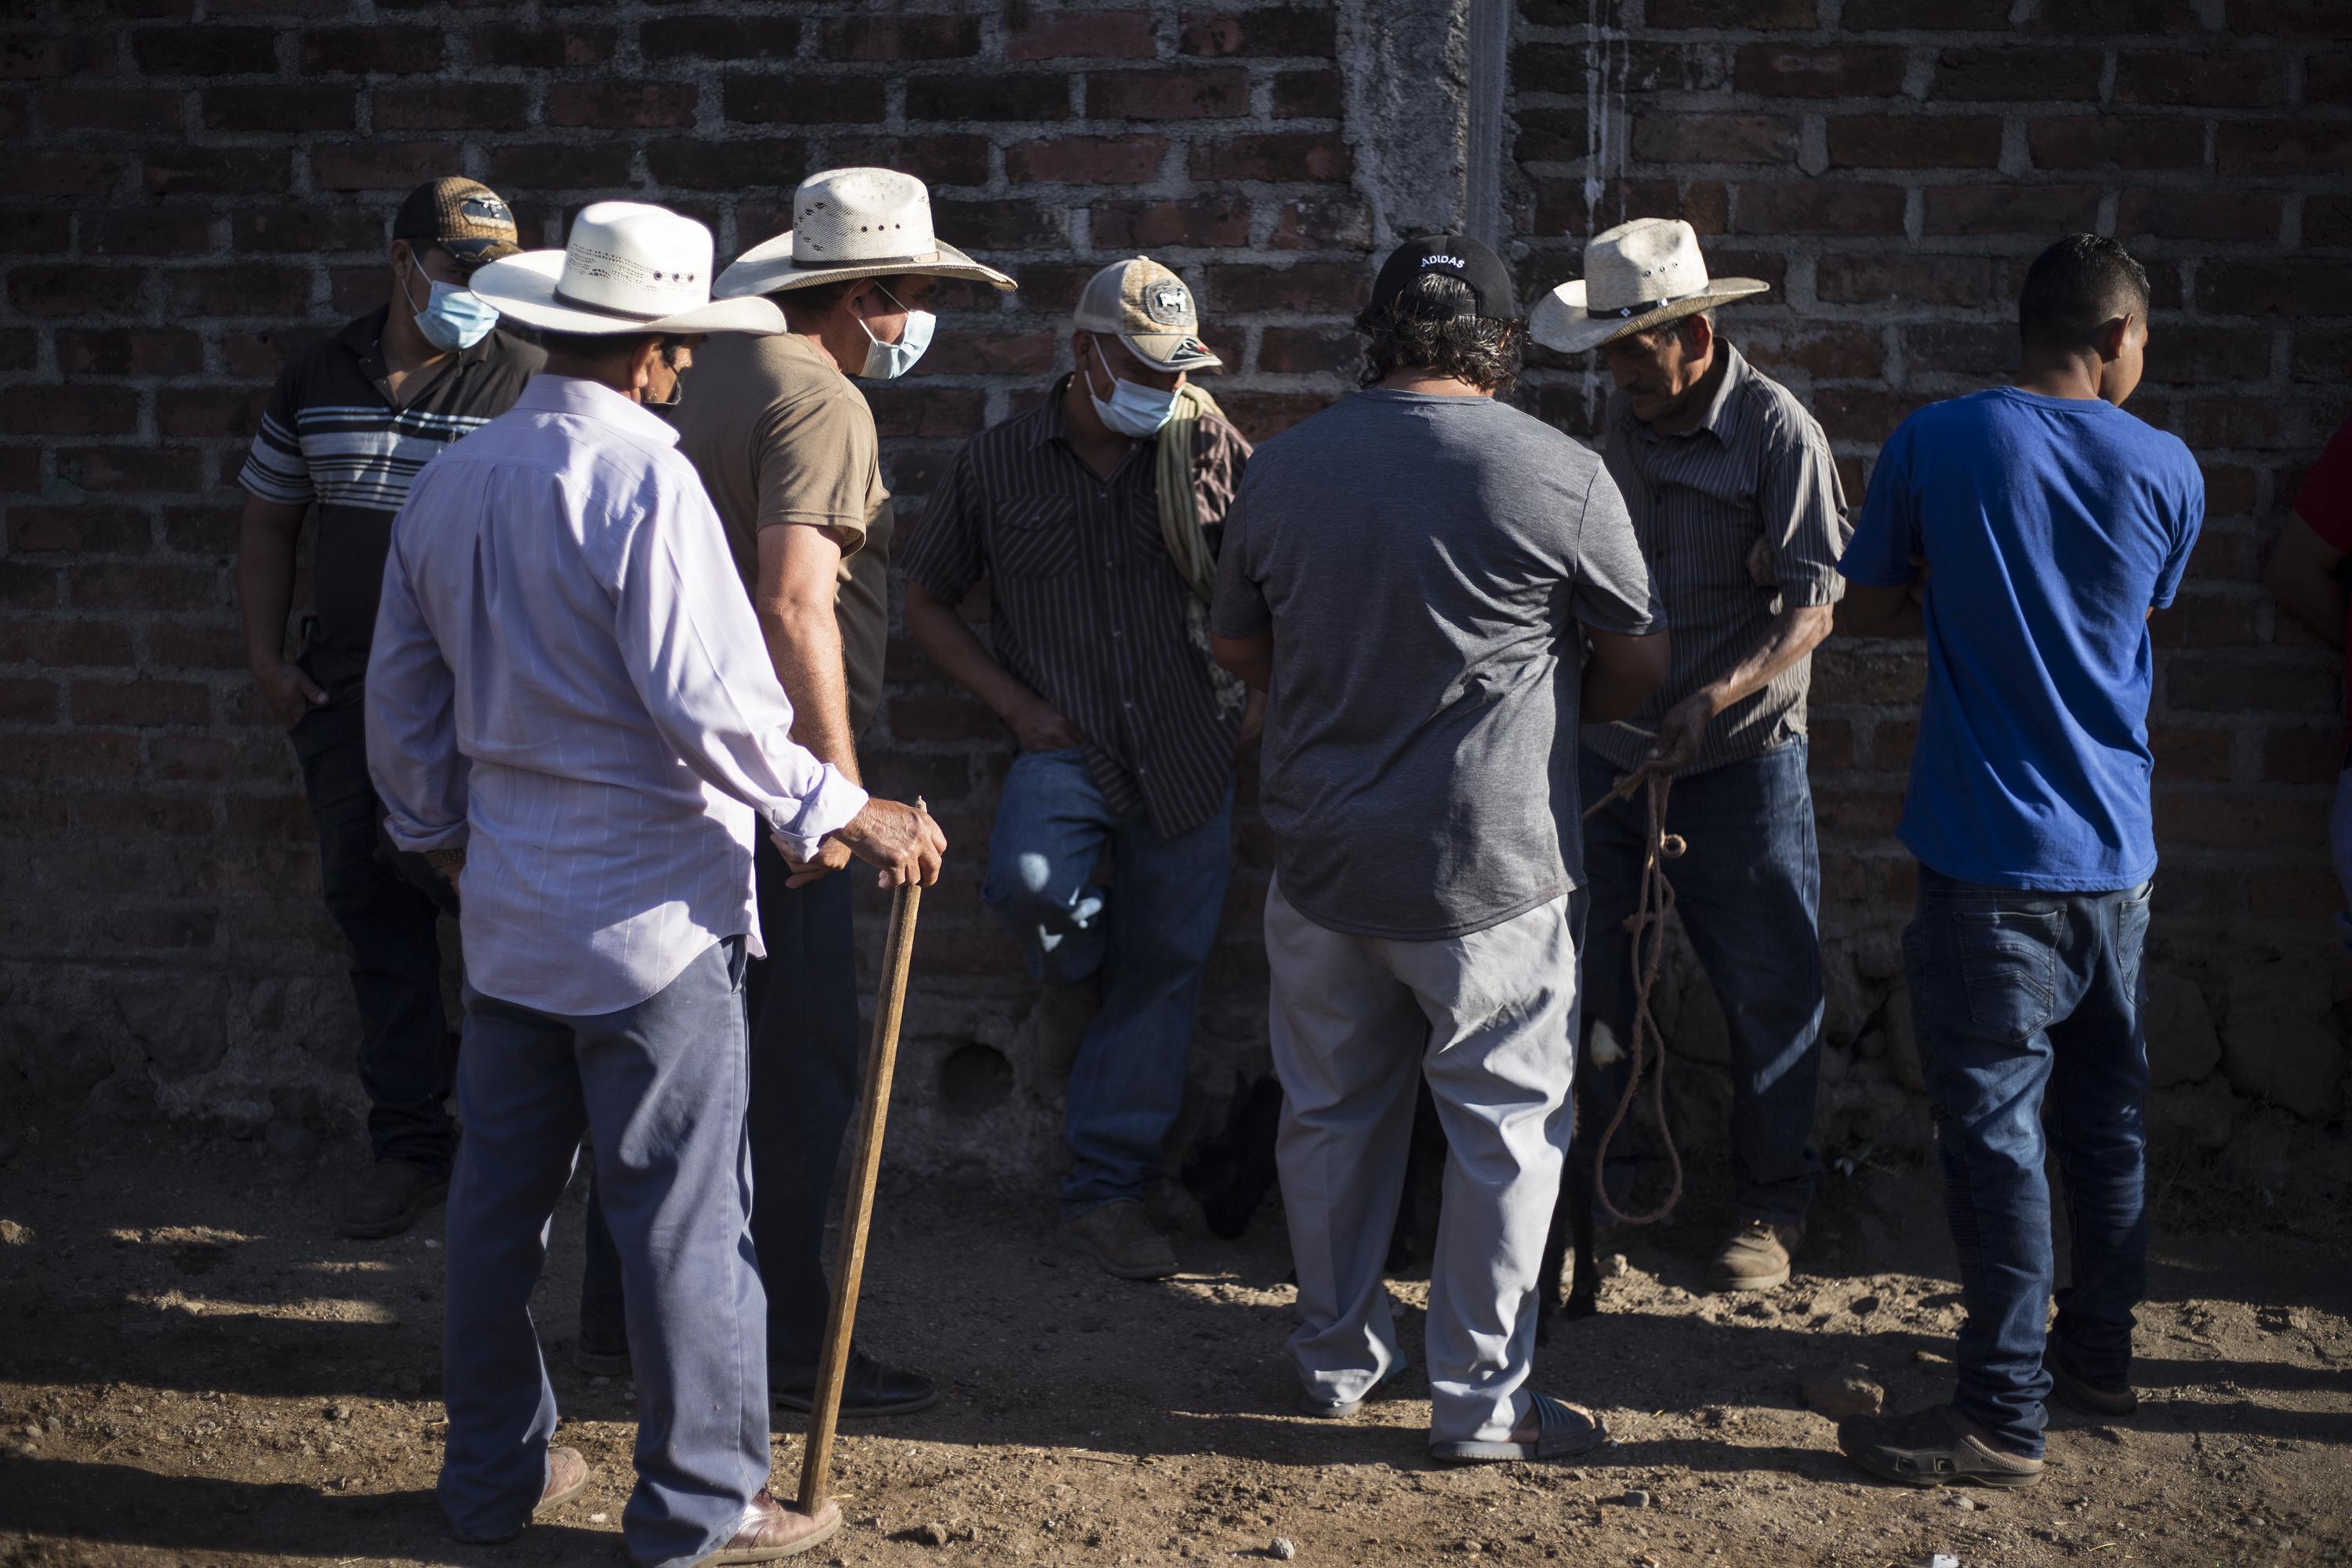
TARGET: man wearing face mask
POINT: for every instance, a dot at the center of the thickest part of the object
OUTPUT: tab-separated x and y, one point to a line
1095	516
353	420
786	448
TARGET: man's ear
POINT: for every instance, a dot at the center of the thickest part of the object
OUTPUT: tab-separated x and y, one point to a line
641	361
2114	336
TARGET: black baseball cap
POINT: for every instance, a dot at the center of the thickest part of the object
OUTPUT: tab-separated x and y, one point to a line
1457	255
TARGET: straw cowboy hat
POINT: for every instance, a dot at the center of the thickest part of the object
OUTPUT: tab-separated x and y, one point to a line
629	267
853	223
1637	276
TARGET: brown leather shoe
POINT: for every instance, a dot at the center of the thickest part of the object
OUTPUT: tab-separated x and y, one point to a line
392	1197
1121	1238
567	1478
771	1531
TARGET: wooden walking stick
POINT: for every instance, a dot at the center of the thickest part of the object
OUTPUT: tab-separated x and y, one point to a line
873	1111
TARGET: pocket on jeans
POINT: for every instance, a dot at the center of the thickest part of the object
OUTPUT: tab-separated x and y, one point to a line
2008	968
2131	942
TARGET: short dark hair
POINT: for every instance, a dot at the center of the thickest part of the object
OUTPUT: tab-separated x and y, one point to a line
1678	328
602	348
819	297
1433	327
2073	288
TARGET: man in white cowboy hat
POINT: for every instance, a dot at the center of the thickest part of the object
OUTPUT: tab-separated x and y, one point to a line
787	449
572	714
1737	504
1094	516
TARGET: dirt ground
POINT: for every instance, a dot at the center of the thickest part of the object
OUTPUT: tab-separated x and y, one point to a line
193	1371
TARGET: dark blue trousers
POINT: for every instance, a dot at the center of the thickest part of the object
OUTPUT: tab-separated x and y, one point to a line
2020	997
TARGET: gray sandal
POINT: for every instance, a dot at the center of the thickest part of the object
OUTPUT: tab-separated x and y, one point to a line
1563	1431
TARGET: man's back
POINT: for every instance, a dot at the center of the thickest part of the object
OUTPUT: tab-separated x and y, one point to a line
2049	528
1422	557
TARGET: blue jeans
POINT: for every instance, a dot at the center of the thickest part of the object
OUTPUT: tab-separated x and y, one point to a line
2016	997
380	901
1748	892
663	1085
801	999
1148	937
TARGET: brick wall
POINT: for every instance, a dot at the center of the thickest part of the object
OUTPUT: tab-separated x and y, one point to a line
197	187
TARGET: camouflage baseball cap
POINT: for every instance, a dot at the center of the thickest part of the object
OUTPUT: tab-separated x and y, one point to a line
1149	309
464	217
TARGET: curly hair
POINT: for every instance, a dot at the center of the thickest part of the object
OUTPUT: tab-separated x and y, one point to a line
1436	327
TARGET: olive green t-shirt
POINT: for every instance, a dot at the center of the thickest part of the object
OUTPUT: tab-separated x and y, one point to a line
782	438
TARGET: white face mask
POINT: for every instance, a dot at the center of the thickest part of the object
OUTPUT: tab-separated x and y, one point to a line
453	316
888	361
1131	409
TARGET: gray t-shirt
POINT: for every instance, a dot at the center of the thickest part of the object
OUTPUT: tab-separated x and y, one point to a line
1424	562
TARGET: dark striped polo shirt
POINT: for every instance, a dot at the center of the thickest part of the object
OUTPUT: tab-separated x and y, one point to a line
1757	467
332	439
1085	608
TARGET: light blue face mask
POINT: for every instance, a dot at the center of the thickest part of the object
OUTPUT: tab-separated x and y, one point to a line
452	317
888	361
1131	409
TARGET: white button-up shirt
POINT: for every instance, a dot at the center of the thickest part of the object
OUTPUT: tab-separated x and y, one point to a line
568	683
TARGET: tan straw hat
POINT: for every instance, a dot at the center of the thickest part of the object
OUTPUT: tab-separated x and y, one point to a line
628	268
1149	308
853	223
1637	276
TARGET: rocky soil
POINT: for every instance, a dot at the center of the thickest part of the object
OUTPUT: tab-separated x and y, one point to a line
195	1372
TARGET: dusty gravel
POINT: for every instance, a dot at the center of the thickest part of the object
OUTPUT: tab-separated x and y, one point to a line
193	1371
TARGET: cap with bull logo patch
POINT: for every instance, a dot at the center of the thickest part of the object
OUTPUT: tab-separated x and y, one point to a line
1457	255
1150	310
464	217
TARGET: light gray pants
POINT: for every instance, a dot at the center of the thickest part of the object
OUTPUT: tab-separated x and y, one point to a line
1490	1020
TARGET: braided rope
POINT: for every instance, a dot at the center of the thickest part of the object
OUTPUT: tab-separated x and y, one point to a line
1648	925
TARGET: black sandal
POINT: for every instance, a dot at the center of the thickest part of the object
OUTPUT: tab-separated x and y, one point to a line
1931	1447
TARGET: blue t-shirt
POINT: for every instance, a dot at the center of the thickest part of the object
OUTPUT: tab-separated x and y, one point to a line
2050	526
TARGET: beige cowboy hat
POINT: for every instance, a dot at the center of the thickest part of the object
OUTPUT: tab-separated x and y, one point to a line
853	223
1637	276
627	267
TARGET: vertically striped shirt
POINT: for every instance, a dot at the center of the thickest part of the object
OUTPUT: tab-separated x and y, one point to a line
1757	467
1085	607
332	438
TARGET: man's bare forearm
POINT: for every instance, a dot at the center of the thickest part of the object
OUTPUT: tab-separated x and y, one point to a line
948	641
264	580
1794	633
804	646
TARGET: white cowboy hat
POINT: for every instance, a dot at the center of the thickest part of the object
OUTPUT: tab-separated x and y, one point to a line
1637	276
853	223
629	267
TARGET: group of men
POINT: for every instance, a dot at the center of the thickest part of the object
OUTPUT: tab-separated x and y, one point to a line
599	692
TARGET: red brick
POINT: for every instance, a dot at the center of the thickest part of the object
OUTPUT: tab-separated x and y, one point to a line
2201	78
2206	620
1219	221
1085	160
2099	21
1913	141
2305	147
308	229
2327	78
560	45
381	165
145	111
1269	30
58	174
2180	355
1082	34
1194	94
997	224
1318	94
181	232
2011	73
2272	684
73	290
113	468
994	353
1289	157
2229	491
1828	352
1681	137
900	38
43	230
1325	287
58	643
1959	347
68	410
135	350
2198	215
142	704
1309	350
2320	354
2203	754
2290	18
702	163
2127	141
1926	15
1863	413
118	815
55	52
615	105
227	411
800	100
110	586
911	411
945	158
78	530
252	289
216	171
1820	207
2311	754
1323	223
2327	218
207	529
2238	822
725	38
2296	287
1791	71
539	167
1761	15
208	50
278	108
1262	415
391	50
972	95
453	106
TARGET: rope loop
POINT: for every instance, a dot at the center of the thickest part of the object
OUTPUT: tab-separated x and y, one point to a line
1648	925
